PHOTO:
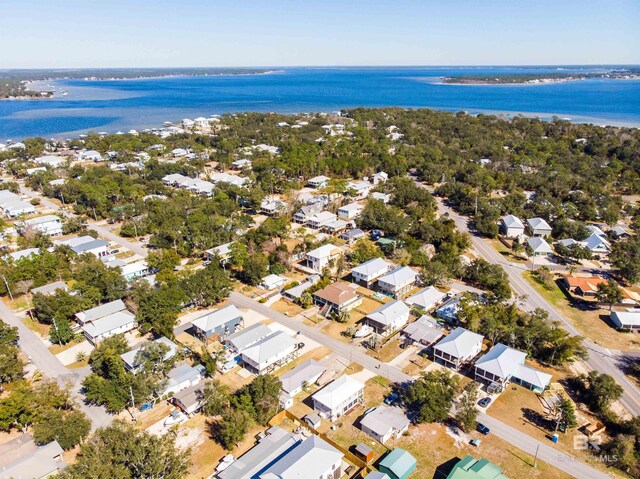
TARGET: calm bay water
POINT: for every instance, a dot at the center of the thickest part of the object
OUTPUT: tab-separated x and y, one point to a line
113	105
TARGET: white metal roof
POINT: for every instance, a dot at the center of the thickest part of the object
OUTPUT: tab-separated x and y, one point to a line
459	342
399	276
338	391
388	313
426	298
219	317
501	360
269	347
371	267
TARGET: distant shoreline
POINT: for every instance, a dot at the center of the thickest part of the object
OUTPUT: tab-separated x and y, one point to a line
533	79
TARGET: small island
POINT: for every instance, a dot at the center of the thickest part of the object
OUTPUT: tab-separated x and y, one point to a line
14	84
537	78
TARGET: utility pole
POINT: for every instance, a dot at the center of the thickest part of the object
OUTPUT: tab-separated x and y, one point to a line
535	459
133	405
6	283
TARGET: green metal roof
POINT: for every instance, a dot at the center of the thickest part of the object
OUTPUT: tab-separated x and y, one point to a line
399	462
470	468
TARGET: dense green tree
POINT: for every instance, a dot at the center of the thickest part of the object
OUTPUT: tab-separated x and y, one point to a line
609	293
216	398
598	390
431	396
69	428
625	258
122	451
466	410
232	428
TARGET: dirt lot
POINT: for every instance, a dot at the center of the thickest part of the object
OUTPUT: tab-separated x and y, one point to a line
593	324
287	308
389	351
522	409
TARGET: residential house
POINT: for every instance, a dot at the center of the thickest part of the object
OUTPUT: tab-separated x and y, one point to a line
596	230
24	253
319	258
426	299
618	232
182	377
270	353
384	197
538	227
44	461
303	215
51	288
242	164
86	244
359	189
220	253
470	468
313	458
380	177
385	422
295	292
241	340
338	397
272	206
367	273
285	455
350	211
33	171
50	161
91	155
511	226
629	319
320	220
397	282
132	361
539	246
50	225
388	318
93	314
303	375
503	364
352	235
398	464
216	325
337	226
272	282
134	270
424	331
318	181
189	400
449	311
107	326
586	286
12	205
337	297
457	348
597	244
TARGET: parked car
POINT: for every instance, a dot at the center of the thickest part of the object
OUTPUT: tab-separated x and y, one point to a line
482	429
484	402
391	398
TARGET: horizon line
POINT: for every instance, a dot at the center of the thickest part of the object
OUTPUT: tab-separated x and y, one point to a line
480	65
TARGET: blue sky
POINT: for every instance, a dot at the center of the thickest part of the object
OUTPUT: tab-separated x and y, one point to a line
147	33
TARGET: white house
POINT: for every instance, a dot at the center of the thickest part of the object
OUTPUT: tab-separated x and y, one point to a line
426	299
457	348
359	189
182	377
388	318
218	323
50	160
87	244
318	181
132	360
538	227
338	397
12	205
107	326
91	155
303	214
320	220
380	177
24	253
384	197
385	422
511	226
272	281
303	375
503	364
397	282
368	272
241	340
221	253
424	331
539	246
626	319
319	258
50	225
106	309
597	244
350	211
269	353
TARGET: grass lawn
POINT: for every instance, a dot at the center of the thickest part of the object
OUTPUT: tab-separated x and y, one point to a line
521	409
433	447
593	324
287	308
37	327
504	251
56	348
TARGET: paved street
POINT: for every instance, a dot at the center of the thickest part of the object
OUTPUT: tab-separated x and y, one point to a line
546	453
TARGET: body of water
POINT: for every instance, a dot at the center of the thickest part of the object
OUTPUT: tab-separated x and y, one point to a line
122	105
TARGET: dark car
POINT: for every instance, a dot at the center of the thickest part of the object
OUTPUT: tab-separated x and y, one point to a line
391	398
482	429
484	402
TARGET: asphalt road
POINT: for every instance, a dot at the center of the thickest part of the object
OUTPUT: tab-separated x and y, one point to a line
600	359
546	453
